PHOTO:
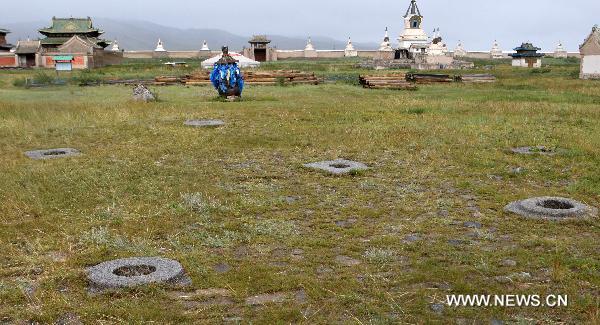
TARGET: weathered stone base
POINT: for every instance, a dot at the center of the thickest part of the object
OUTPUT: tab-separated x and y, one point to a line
589	76
132	272
551	208
338	166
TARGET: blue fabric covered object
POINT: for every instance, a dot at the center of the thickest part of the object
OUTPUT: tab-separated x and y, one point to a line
227	79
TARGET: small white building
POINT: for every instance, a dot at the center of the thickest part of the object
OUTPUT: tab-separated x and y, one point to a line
590	55
527	56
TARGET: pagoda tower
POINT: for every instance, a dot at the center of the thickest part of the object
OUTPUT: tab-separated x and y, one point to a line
413	34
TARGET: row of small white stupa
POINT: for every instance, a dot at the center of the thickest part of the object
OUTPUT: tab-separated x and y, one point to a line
159	46
350	51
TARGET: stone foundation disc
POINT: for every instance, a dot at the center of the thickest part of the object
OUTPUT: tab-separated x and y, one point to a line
204	123
338	166
136	271
537	150
551	208
52	153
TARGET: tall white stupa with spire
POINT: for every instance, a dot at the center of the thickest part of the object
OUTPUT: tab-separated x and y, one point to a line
309	50
413	33
386	45
350	51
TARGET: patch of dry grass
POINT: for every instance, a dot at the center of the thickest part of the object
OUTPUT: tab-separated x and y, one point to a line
238	195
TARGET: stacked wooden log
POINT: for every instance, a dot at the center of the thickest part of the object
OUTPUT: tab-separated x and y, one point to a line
477	78
266	78
390	81
426	78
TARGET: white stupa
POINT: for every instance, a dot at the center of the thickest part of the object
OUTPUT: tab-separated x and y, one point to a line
160	47
205	46
386	45
496	52
460	50
437	47
309	45
350	51
243	62
560	51
413	36
115	46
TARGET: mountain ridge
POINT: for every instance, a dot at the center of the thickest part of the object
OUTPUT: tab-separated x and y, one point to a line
138	35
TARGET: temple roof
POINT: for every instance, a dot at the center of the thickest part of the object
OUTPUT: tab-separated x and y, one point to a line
259	39
591	45
527	47
413	9
71	26
527	50
4	31
27	47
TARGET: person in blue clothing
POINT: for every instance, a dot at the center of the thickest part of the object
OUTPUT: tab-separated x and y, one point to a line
227	77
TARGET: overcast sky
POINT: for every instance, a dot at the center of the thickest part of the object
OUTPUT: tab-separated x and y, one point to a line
476	22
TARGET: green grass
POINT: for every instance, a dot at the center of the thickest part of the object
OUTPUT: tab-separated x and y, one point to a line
148	186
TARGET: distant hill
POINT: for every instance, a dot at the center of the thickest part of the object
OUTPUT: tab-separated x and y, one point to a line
143	35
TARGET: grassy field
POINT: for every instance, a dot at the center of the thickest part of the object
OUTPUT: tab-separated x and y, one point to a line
235	206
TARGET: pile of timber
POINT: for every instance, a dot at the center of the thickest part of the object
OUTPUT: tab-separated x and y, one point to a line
266	78
477	78
390	81
427	78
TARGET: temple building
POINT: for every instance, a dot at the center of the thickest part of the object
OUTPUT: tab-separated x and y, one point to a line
63	29
590	55
413	34
4	46
527	56
28	53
